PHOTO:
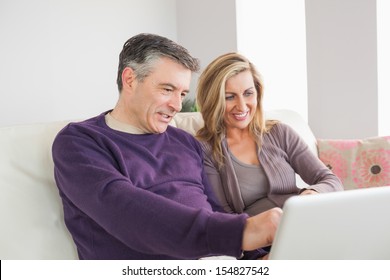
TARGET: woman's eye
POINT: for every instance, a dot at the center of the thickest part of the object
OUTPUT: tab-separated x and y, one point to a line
248	93
229	97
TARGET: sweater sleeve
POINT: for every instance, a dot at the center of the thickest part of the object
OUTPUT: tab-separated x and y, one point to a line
89	180
304	162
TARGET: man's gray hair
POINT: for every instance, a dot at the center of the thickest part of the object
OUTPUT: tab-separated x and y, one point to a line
143	50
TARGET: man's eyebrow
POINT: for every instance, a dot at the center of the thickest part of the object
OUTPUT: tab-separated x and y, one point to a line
173	87
167	85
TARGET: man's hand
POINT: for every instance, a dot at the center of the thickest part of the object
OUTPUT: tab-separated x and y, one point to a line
260	230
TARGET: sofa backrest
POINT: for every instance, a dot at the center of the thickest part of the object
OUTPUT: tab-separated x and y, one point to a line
191	122
31	213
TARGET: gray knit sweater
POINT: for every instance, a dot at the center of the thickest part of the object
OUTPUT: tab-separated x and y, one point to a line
283	154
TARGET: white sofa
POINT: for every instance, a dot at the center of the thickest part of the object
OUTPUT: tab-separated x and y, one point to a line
31	214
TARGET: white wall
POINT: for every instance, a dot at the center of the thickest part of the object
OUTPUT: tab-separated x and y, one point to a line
211	28
342	68
207	29
340	99
59	58
272	34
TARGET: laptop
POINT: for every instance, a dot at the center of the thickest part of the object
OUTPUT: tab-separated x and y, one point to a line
348	225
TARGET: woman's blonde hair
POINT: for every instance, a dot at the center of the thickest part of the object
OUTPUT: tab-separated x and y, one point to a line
211	101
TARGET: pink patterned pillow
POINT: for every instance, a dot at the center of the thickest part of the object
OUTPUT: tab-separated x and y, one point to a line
358	163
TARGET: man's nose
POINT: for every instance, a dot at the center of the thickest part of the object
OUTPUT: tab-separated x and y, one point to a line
176	102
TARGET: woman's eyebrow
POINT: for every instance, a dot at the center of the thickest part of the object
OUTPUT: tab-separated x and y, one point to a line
230	92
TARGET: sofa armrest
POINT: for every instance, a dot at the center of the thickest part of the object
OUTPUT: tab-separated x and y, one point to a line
30	207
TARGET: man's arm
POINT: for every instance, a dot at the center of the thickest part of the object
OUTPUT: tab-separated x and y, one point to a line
147	222
260	230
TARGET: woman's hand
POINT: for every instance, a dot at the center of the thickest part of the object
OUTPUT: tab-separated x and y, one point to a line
308	191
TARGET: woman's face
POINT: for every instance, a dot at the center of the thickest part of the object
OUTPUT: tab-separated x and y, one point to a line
241	101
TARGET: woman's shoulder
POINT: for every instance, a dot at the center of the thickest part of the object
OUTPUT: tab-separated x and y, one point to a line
275	126
280	131
206	147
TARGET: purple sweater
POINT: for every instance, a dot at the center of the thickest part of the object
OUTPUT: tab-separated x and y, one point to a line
128	196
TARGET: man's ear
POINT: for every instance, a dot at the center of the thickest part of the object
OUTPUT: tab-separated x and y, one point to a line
128	77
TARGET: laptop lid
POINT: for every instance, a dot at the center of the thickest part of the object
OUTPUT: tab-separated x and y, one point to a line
353	224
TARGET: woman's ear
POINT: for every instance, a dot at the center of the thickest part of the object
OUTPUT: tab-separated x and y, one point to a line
128	77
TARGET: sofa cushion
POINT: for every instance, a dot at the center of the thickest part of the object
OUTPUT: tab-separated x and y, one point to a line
31	212
190	122
359	163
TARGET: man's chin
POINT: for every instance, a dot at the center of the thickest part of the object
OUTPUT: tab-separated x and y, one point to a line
161	128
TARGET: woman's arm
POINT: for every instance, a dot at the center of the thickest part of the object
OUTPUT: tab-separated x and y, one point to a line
305	163
214	178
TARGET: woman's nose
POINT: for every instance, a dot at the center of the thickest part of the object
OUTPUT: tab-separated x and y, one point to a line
241	105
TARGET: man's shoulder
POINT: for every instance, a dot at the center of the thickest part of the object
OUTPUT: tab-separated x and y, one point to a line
83	126
171	130
183	136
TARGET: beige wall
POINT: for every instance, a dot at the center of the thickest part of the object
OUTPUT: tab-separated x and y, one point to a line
342	68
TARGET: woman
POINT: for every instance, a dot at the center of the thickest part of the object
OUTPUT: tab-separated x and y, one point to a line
251	163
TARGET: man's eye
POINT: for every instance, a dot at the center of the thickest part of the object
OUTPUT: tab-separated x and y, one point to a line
167	91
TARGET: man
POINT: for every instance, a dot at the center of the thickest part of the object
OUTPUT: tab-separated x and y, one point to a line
132	186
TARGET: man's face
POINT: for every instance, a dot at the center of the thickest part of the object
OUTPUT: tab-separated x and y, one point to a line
156	99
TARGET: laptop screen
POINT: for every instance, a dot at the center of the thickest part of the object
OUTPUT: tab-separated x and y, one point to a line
353	224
